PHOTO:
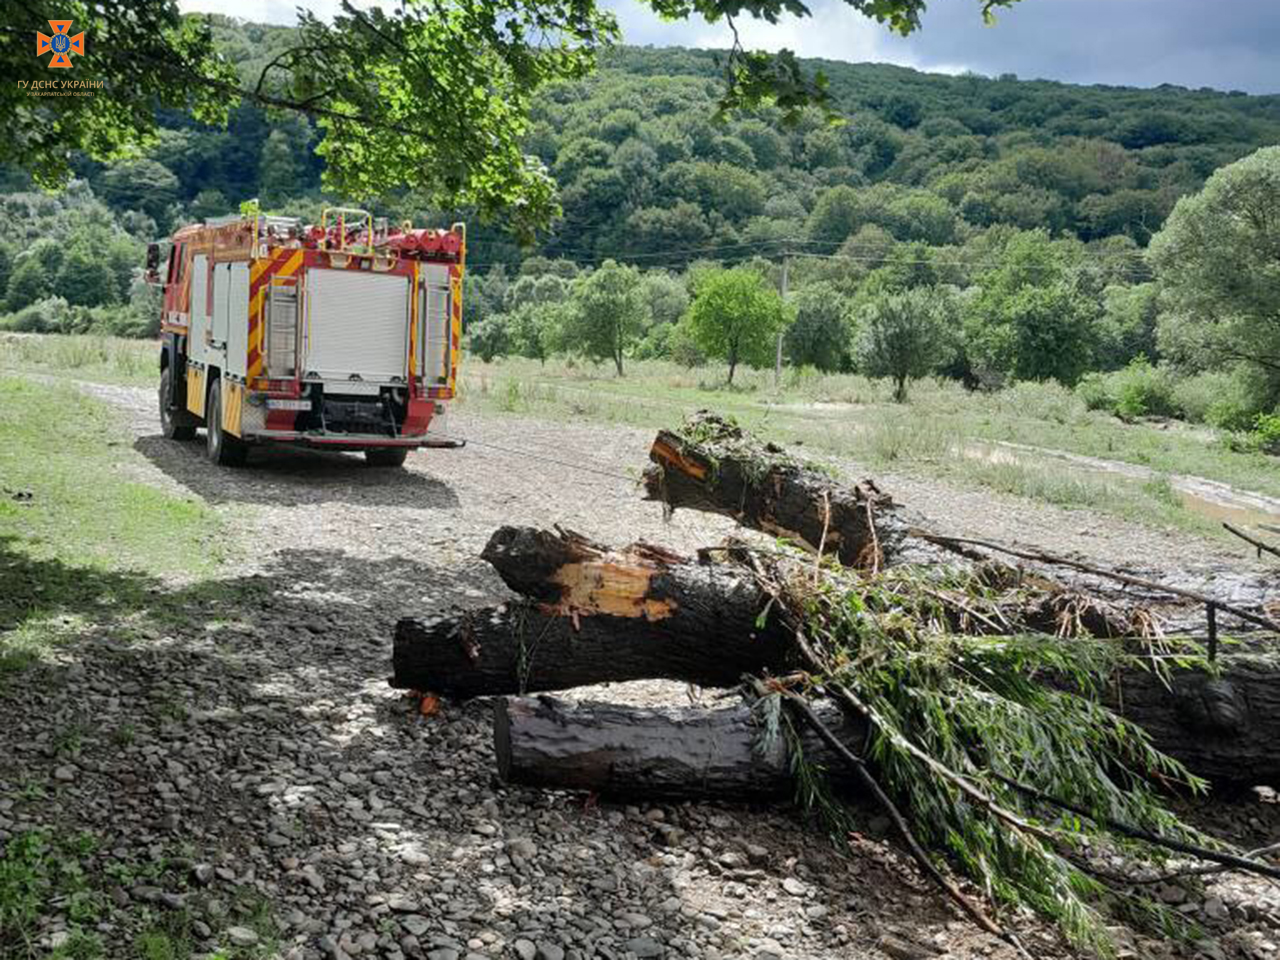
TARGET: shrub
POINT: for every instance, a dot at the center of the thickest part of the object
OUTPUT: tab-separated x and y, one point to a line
1143	391
1095	389
1266	433
1195	396
50	315
1139	390
1046	400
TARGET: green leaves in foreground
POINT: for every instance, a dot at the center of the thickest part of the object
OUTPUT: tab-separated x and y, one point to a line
986	712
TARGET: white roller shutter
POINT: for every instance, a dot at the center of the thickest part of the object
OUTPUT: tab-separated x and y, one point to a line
357	322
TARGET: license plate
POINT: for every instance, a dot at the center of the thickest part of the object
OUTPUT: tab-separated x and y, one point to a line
288	404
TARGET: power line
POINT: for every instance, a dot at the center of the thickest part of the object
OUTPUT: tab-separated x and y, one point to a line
581	468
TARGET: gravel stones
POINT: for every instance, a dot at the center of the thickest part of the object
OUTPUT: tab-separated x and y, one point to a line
242	936
244	759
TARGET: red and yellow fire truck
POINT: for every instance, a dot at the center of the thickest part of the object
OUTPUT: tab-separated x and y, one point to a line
342	335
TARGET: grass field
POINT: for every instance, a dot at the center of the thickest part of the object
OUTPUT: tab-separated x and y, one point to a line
101	359
943	431
80	540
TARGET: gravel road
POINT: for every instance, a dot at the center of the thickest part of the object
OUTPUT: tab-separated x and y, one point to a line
253	783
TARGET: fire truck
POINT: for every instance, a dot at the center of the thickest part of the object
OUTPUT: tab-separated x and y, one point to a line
341	335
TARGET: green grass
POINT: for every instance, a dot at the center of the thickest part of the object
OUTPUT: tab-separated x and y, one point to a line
102	359
935	434
81	541
42	873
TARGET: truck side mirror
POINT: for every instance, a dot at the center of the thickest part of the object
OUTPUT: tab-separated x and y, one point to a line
152	273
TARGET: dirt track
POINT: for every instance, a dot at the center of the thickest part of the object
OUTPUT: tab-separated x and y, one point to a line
268	757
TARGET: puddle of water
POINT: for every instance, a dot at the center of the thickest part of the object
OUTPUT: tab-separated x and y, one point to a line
1237	516
1208	498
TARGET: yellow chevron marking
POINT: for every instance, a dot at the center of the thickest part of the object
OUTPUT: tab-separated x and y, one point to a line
195	390
232	404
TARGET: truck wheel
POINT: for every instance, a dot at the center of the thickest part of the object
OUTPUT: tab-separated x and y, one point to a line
174	424
224	449
386	456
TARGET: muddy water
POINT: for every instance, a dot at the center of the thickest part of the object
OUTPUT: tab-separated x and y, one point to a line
1208	498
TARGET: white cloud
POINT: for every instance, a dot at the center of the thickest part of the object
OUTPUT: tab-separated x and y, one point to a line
268	11
835	31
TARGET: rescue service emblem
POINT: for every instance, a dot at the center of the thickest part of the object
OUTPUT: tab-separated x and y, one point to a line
62	45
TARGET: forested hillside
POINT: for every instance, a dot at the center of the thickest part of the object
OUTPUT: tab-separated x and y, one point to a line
1024	207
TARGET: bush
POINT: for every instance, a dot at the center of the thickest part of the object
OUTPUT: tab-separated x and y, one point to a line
684	349
50	315
1195	396
1139	390
1266	433
1262	437
1095	389
1046	400
1143	391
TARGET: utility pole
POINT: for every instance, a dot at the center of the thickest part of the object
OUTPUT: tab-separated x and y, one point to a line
777	363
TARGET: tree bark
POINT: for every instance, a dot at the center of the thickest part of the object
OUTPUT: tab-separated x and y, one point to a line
1223	729
596	616
714	467
654	752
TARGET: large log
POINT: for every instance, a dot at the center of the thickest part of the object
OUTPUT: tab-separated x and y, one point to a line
654	752
594	616
713	466
1222	728
597	616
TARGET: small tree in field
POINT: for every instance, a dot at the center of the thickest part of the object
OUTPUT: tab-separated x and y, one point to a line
736	315
608	313
902	336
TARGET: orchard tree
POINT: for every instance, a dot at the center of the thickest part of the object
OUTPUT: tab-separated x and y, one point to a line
735	316
1218	262
1028	319
902	336
819	334
609	313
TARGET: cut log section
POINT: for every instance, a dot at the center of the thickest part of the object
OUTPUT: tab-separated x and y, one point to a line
595	616
713	466
1219	727
653	752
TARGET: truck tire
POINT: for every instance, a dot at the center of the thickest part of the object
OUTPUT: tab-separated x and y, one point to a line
175	423
224	449
386	456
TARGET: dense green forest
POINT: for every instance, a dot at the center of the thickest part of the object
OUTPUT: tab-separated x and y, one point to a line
1025	210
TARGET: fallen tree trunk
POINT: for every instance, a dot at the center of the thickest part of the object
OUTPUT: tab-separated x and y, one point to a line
598	616
653	752
1222	728
711	465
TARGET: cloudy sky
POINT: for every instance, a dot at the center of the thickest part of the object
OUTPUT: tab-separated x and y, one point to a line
1227	44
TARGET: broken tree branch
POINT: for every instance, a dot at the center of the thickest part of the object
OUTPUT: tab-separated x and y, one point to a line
1252	541
1049	559
873	788
713	466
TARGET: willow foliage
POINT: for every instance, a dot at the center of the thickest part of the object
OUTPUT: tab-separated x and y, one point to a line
960	719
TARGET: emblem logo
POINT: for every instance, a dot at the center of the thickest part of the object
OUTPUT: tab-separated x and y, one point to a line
61	44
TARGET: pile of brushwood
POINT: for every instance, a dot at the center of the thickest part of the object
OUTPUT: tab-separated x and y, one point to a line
1022	728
